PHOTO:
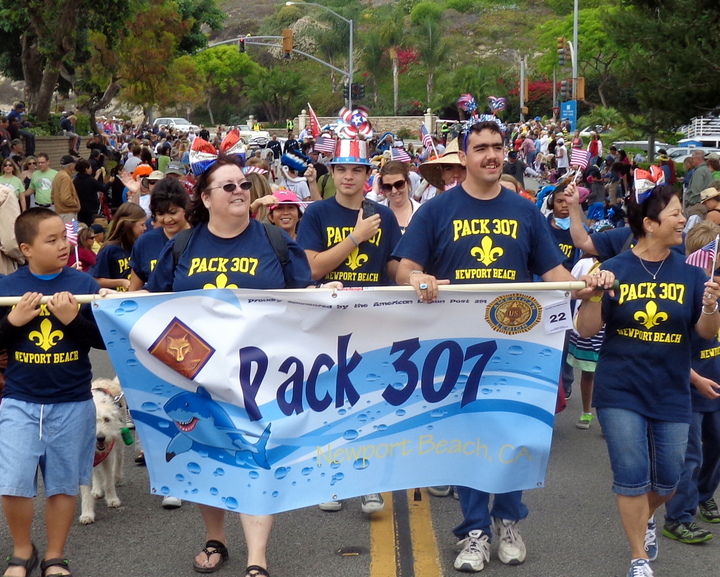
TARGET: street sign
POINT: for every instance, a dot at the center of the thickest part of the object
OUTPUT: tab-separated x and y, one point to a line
568	111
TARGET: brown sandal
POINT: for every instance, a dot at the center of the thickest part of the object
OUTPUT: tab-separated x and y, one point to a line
27	564
56	562
212	547
256	571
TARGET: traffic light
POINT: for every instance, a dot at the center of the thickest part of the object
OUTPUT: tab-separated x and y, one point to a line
361	91
287	45
562	51
564	90
346	91
580	92
241	44
355	91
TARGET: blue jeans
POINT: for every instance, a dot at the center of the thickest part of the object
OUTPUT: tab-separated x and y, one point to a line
475	506
701	473
645	454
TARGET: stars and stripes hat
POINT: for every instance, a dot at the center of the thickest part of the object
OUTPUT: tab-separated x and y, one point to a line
351	152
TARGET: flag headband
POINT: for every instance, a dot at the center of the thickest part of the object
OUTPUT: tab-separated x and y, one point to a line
203	154
646	181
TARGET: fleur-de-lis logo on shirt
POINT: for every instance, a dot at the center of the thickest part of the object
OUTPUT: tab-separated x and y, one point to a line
46	338
221	281
650	317
356	260
486	253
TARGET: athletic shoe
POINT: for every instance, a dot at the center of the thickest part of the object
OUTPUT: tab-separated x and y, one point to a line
475	553
640	568
330	506
512	549
584	421
440	490
372	503
709	511
690	533
568	394
455	493
651	542
171	503
129	420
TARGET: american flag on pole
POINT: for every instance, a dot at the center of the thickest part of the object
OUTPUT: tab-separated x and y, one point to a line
324	144
426	138
399	154
314	122
579	157
71	228
704	256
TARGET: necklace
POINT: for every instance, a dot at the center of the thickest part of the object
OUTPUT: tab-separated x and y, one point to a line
658	268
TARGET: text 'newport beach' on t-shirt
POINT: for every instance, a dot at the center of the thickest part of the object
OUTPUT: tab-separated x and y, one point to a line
463	239
706	362
644	363
46	364
327	223
245	261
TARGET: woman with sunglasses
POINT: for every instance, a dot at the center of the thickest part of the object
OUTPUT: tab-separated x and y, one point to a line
29	166
394	184
224	229
642	382
10	176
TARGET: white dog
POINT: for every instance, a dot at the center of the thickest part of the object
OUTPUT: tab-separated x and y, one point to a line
110	410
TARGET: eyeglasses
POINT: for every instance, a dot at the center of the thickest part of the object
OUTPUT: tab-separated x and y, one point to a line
32	163
399	185
231	186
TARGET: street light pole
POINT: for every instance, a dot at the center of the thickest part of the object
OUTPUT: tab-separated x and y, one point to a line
351	68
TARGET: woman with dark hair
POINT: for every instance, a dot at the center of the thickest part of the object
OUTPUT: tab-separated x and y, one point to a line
87	258
224	228
168	203
394	184
642	383
88	189
112	267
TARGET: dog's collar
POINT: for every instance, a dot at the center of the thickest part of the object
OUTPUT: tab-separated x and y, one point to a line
100	456
115	398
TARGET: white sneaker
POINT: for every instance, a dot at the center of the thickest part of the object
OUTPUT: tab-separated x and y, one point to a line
640	568
372	503
440	490
330	506
511	550
171	502
475	553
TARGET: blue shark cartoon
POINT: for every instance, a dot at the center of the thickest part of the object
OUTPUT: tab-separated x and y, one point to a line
203	421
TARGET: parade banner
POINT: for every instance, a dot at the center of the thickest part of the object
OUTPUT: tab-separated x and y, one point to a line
265	401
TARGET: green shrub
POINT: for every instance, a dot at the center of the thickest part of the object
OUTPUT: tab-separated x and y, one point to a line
464	6
424	11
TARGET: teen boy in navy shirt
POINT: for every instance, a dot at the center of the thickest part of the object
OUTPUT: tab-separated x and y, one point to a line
47	416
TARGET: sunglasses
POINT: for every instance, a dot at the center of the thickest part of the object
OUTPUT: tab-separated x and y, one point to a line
32	163
231	186
399	185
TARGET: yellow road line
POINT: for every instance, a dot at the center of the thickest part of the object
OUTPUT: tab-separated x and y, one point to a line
425	551
383	562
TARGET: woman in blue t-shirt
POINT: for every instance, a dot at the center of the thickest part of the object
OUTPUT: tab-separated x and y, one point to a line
642	384
224	232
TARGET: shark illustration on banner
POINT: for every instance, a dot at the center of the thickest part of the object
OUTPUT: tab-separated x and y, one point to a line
265	401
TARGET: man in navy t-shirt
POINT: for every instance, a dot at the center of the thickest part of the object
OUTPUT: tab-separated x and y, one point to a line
480	232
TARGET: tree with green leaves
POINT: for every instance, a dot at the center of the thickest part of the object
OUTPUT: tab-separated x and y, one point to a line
277	92
392	34
432	50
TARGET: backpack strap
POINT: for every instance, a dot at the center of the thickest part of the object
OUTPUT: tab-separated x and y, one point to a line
279	245
628	243
181	241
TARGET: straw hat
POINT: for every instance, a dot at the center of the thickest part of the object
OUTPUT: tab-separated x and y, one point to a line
432	169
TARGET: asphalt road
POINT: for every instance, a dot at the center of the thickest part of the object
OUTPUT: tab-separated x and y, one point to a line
573	529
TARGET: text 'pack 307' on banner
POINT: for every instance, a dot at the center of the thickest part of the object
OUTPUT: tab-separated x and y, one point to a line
265	401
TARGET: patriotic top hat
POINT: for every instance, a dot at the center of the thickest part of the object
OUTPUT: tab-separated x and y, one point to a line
351	152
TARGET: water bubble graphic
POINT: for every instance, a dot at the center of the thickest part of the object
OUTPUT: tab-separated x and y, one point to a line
485	391
165	490
546	353
502	381
361	464
495	360
231	503
335	465
203	453
342	412
437	413
275	494
400	412
281	472
113	332
214	491
462	379
131	362
429	427
150	407
336	477
194	491
194	468
362	417
128	306
372	377
163	425
218	472
253	474
350	434
385	364
515	350
307	470
537	370
381	427
110	344
122	340
179	477
398	385
157	390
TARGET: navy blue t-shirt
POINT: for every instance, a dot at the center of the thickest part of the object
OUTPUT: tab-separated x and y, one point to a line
326	224
565	244
245	261
112	262
458	237
706	362
145	252
611	242
644	363
47	361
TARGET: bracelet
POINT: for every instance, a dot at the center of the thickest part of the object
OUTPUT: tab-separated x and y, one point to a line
712	312
596	299
412	272
352	238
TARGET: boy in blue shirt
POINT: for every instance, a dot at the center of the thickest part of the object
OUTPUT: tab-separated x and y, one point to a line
47	416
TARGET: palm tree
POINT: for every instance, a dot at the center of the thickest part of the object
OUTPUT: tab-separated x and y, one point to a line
432	51
392	34
371	59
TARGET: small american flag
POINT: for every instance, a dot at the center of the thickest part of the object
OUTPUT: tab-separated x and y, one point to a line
426	138
71	228
579	157
704	256
399	154
324	144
